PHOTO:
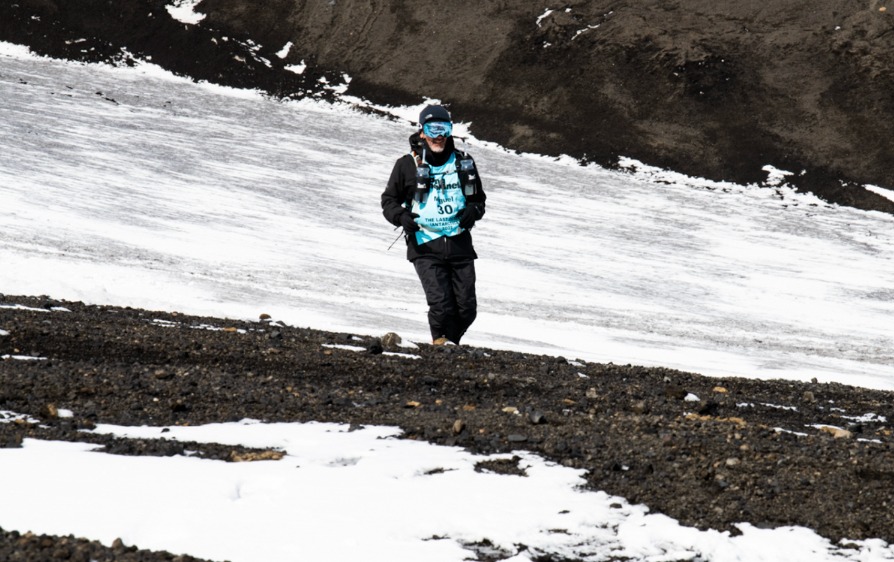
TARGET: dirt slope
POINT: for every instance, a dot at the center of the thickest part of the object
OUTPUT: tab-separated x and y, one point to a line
714	88
711	88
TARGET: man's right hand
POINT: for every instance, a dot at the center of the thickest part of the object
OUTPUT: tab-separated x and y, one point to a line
407	220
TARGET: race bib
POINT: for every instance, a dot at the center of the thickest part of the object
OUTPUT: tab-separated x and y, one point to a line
439	209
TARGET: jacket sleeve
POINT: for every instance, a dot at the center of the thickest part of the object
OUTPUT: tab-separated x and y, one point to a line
398	189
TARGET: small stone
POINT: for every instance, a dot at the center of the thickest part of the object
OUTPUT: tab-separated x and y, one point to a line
710	408
517	438
458	426
836	432
264	316
592	394
733	461
162	374
391	340
179	407
375	348
536	418
51	411
252	456
809	396
675	391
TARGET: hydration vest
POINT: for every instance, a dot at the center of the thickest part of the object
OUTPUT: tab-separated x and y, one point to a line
465	168
439	195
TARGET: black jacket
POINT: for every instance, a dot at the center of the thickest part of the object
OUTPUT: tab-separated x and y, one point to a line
399	192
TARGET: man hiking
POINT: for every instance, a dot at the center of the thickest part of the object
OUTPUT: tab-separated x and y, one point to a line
435	194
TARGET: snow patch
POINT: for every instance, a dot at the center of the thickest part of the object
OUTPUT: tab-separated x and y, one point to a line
867	418
344	347
296	68
775	176
359	349
783	430
209	327
10	417
250	511
22	358
17	51
774	406
337	88
779	407
284	52
584	30
886	193
184	11
33	309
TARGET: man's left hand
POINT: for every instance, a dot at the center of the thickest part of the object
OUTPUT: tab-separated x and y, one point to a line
470	214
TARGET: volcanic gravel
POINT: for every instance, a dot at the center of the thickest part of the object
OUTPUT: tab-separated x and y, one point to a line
710	452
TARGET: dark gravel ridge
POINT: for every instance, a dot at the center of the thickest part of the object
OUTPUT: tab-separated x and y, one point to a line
745	451
28	547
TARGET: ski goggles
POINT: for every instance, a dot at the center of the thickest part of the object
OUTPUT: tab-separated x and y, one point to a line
434	129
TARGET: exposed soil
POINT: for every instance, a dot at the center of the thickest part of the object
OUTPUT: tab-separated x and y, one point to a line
712	88
744	451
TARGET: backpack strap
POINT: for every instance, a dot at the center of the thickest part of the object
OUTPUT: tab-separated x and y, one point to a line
423	179
468	174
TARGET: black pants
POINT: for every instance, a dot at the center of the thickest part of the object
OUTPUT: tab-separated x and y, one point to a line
450	292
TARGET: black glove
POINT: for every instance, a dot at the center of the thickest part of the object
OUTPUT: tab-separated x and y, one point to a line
406	221
470	214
